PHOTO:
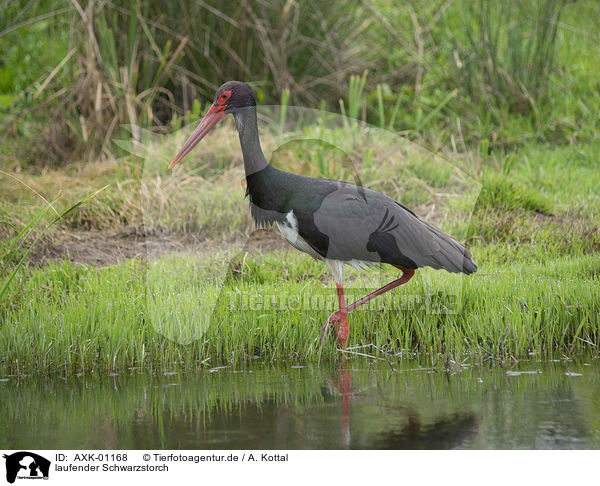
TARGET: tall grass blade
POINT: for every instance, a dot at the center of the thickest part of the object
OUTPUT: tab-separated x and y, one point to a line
422	123
58	218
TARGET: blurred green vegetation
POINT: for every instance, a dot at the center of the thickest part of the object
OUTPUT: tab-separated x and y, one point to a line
484	74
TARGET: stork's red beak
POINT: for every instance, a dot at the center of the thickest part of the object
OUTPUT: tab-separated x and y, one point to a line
216	113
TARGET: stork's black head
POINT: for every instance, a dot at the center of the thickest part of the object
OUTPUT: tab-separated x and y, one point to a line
230	97
234	95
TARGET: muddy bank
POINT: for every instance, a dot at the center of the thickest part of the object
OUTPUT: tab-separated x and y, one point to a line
102	248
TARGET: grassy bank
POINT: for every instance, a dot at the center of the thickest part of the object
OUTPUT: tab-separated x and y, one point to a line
185	312
484	126
533	231
457	71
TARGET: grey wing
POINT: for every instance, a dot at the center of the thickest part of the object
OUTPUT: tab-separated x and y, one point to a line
362	224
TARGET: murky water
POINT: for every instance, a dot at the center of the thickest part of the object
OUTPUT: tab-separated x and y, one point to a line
541	405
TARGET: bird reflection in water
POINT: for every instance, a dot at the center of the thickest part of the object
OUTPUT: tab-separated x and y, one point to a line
447	432
344	387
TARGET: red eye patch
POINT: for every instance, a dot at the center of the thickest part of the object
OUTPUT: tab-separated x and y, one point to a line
224	97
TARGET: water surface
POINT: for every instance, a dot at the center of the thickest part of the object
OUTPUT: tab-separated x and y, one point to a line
358	404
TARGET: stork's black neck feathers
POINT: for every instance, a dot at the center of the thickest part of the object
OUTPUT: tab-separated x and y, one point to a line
245	120
266	202
264	184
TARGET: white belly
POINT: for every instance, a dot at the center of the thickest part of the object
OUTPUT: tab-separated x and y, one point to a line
289	230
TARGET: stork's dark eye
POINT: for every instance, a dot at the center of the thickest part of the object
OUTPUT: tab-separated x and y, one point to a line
224	97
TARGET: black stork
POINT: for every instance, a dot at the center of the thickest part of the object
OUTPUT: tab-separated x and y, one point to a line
334	221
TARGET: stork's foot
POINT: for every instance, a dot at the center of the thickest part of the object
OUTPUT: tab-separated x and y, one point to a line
342	328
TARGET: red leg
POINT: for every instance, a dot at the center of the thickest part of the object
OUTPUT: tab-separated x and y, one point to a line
343	328
340	318
406	276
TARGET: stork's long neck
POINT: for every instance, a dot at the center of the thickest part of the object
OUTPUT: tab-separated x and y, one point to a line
254	159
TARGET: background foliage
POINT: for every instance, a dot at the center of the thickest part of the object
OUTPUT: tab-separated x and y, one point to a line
497	73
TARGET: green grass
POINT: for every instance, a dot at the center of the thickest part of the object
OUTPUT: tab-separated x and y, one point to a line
534	234
179	311
512	167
